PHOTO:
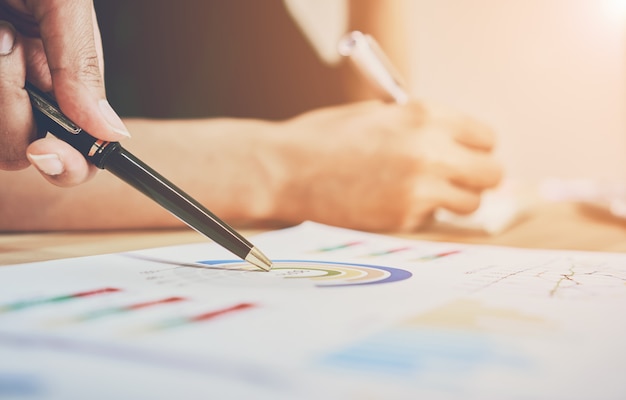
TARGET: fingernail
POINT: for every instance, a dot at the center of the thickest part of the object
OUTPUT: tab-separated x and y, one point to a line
115	122
7	38
49	164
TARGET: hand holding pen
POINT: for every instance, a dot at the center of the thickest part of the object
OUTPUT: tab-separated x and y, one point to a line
455	150
55	44
68	59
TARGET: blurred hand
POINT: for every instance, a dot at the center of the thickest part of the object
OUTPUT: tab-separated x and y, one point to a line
55	44
382	167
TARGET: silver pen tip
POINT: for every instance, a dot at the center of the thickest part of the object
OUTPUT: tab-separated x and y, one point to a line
258	259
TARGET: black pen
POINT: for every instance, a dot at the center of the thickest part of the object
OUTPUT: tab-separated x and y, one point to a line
112	157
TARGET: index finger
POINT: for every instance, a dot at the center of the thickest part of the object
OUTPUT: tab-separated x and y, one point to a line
473	133
71	39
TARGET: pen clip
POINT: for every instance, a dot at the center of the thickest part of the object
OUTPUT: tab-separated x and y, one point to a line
370	59
50	109
51	119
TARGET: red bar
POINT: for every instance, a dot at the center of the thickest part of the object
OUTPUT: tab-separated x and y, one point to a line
217	313
97	291
154	303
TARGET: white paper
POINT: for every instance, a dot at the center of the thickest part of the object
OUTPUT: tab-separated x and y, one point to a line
344	314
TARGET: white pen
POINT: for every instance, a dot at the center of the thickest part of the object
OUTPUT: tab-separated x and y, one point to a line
369	58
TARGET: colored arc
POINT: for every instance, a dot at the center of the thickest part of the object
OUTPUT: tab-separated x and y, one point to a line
332	273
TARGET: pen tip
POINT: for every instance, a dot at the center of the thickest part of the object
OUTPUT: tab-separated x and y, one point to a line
259	259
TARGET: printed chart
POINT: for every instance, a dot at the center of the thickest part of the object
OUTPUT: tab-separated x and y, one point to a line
316	273
453	338
351	313
116	310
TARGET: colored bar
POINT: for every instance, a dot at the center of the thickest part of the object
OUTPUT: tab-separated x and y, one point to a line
20	305
338	247
124	309
213	314
390	251
172	323
438	255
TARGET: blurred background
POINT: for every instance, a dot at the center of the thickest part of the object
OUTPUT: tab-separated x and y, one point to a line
547	75
188	58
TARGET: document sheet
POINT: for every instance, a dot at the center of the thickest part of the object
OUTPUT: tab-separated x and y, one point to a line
343	314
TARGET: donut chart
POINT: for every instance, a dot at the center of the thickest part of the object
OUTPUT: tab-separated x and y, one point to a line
323	273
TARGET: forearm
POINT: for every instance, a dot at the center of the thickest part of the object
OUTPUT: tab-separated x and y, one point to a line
215	161
370	166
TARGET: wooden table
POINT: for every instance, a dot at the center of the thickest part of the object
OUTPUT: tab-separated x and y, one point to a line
549	225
